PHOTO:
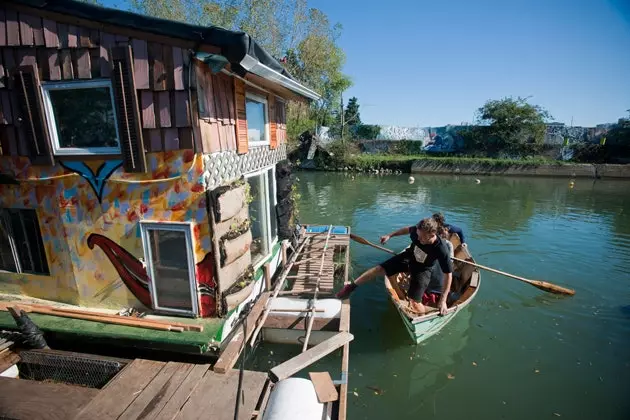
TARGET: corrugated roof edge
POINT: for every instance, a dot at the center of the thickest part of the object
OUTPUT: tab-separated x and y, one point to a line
238	47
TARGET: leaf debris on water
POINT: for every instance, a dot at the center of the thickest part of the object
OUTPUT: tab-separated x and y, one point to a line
556	414
474	363
450	376
536	371
356	394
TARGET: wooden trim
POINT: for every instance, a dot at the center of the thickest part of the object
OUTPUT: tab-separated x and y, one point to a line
242	142
298	322
106	27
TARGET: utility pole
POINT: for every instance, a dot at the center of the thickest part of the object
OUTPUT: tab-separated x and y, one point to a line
342	122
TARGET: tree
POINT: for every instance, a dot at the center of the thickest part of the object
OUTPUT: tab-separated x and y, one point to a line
288	29
368	132
352	117
506	124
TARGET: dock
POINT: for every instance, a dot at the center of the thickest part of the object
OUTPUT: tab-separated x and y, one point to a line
143	389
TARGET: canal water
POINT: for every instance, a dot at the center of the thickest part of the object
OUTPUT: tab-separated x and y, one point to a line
516	352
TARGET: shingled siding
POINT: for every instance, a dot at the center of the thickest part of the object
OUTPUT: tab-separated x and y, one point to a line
60	51
217	102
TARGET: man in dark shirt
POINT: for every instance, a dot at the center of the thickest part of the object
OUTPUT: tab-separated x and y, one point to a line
426	248
441	221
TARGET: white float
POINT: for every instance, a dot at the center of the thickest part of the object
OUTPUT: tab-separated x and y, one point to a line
292	399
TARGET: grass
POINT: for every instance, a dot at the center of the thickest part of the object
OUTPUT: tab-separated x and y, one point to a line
365	161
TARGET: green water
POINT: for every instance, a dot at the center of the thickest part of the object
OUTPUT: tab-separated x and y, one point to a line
517	352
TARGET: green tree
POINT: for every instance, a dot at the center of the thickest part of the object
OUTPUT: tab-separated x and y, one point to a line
368	132
506	124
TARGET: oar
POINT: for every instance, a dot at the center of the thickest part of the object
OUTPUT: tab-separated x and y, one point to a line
542	285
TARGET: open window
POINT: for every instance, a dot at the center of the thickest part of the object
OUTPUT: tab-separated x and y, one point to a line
81	117
21	245
170	264
262	213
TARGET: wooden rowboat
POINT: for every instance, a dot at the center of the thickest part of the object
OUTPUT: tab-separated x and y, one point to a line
466	281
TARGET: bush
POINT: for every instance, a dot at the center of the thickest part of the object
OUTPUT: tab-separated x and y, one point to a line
406	147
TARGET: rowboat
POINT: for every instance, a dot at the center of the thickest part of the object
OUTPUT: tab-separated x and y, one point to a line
466	281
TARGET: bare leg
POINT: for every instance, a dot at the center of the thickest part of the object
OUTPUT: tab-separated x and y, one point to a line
369	275
417	307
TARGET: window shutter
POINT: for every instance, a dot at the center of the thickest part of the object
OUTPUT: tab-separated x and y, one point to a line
273	122
241	117
127	112
32	116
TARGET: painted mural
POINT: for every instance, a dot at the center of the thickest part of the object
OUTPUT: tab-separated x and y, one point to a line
89	214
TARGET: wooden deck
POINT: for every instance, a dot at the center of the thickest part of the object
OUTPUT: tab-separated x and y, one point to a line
144	389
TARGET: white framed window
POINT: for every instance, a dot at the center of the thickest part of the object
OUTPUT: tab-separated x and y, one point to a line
21	245
257	112
262	213
81	117
168	253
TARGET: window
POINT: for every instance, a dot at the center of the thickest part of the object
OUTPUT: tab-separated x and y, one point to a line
81	117
170	265
21	245
257	119
262	213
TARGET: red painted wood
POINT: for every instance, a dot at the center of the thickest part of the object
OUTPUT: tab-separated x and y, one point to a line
167	56
26	31
6	114
107	41
178	68
84	37
171	139
210	95
26	57
54	68
182	109
156	66
164	106
3	28
140	64
13	27
147	107
51	38
65	60
84	69
3	80
73	39
38	30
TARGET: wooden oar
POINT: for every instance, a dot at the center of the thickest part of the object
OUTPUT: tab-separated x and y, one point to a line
542	285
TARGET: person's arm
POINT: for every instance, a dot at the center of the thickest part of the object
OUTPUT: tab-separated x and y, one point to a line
446	264
399	232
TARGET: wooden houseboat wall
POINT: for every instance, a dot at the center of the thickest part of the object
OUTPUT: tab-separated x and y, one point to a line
116	225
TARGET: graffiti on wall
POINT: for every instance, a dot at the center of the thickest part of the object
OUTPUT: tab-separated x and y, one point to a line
89	215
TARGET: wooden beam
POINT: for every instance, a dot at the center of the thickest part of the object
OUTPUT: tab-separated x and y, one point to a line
310	356
267	274
297	322
230	354
344	326
324	387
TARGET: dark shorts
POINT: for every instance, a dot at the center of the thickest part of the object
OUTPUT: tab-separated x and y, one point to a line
420	279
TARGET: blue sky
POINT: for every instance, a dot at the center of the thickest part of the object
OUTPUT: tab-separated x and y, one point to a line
431	63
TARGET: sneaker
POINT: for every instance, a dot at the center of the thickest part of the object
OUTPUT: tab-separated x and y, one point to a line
345	292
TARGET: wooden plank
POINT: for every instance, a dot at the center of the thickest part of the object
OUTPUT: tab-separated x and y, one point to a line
147	109
66	64
9	141
84	69
95	63
6	113
3	28
185	138
119	393
95	37
344	325
230	354
182	109
42	63
155	139
171	139
13	27
178	69
164	108
141	64
107	41
182	393
310	356
324	387
51	39
26	57
73	38
167	56
84	37
34	400
62	35
26	31
157	393
156	66
38	30
298	322
216	394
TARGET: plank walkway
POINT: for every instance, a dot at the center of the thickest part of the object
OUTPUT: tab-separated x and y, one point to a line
147	389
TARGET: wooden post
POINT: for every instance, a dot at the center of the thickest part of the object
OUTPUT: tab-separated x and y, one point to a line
267	274
284	252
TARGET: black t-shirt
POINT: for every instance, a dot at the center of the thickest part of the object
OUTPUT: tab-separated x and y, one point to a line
422	256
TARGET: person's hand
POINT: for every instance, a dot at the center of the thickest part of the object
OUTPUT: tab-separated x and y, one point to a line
385	238
443	308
